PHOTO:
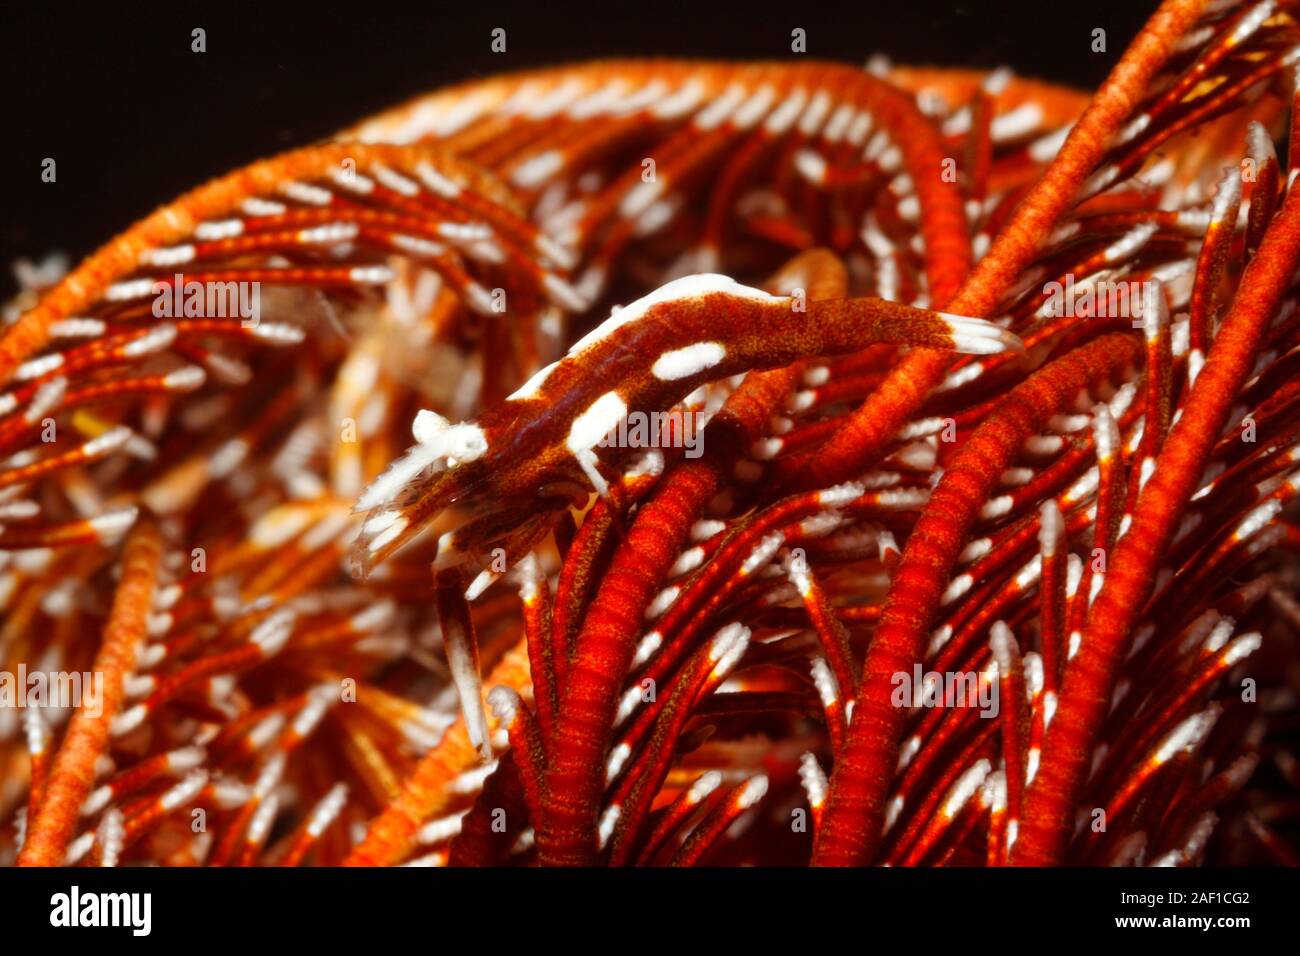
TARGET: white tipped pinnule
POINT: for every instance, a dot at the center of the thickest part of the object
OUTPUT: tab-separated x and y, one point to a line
1188	734
77	328
373	618
828	689
1259	143
110	836
646	647
1198	835
482	581
108	442
1252	21
327	809
1128	244
762	553
186	758
155	340
813	779
1242	647
136	686
705	529
35	368
956	588
48	397
128	720
728	646
319	700
1003	644
227	370
1257	519
78	848
1155	309
629	702
704	786
530	578
563	256
19	510
978	337
1241	770
185	791
1049	707
617	759
228	794
886	544
564	294
99	798
605	826
662	602
811	165
530	389
753	791
371	275
1202	630
38	731
820	524
260	823
798	575
273	633
440	829
185	379
111	525
278	333
841	494
270	775
1051	528
966	786
1227	198
1105	432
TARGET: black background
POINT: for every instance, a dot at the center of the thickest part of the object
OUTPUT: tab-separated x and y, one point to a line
133	118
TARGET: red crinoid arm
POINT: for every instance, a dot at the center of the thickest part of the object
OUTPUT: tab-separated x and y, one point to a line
852	822
566	831
1090	680
867	431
